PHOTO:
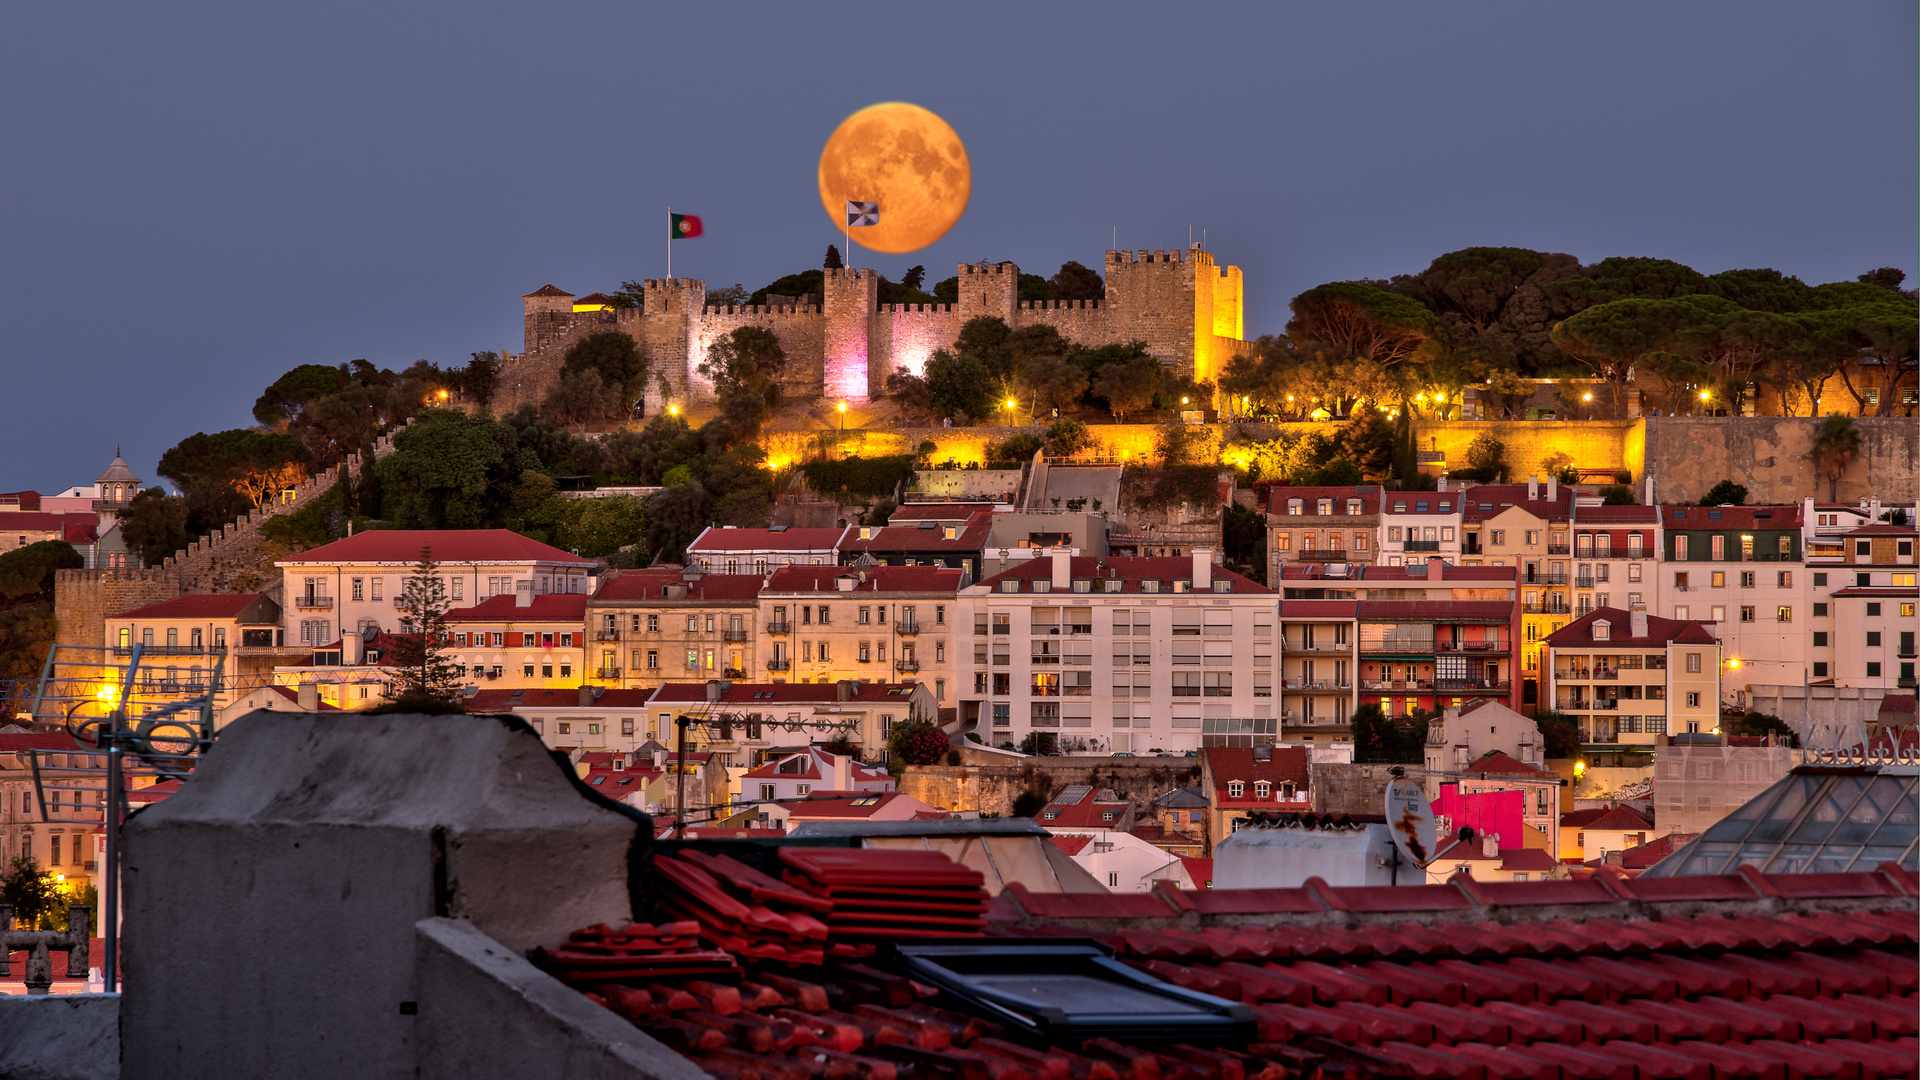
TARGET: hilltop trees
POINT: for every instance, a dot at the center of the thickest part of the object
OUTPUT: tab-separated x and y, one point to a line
619	377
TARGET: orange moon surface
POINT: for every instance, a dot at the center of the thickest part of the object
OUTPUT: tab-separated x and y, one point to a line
906	159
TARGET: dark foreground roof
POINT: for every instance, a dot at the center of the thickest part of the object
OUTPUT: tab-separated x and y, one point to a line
1744	975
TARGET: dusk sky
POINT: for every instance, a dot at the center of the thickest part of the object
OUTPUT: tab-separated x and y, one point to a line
200	197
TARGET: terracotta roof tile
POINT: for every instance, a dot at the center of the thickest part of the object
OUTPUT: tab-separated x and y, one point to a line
1131	570
937	580
1684	518
548	290
448	545
718	540
1660	631
570	608
195	606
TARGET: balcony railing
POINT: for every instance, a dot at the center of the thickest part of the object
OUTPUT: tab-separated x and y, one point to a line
1412	685
1409	645
906	627
1547	609
167	650
1471	646
781	627
313	602
779	665
1597	705
1322	555
906	665
607	635
1556	549
1317	646
733	635
1317	684
1583	582
609	673
1473	686
1423	545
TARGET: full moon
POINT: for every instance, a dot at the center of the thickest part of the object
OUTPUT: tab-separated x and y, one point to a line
904	158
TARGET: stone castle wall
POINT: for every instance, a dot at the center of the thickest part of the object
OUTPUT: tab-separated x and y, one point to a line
1185	308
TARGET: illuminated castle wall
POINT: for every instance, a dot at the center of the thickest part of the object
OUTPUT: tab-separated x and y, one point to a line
1187	309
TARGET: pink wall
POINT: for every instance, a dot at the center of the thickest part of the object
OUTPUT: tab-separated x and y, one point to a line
1487	811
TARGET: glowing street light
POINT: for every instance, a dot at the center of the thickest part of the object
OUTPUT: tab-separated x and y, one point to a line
673	410
843	416
1010	405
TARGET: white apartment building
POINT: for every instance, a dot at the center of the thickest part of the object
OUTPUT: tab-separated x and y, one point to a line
350	589
1418	525
1865	623
1616	557
723	549
1741	570
1132	653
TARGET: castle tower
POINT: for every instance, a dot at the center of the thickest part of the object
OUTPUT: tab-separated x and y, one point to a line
988	290
848	299
548	298
118	486
672	308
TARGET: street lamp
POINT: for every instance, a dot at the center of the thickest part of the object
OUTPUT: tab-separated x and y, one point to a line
673	410
842	407
1011	405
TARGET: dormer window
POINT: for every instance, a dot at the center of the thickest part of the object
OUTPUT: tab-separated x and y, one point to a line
866	532
1107	815
953	532
1324	507
1010	585
1602	630
1112	585
1236	789
1296	507
1262	789
1353	507
1286	791
1150	585
1042	585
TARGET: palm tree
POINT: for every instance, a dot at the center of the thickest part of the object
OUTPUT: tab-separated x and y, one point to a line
1834	448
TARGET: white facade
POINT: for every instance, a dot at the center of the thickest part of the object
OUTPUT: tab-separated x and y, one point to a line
1130	653
1125	863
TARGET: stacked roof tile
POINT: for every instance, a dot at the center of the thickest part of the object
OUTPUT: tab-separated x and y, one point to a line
1746	975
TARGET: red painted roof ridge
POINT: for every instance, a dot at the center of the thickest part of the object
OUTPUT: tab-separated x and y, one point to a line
194	606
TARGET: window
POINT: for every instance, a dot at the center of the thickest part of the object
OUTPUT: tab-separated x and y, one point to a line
1783	613
1446	533
376	587
1873	669
1186	684
1262	789
1873	639
1819	610
1819	639
1746	612
1819	579
1746	579
359	588
1602	630
1236	789
1393	534
1693	663
1499	536
1719	579
1680	548
1819	669
1693	700
526	671
1783	579
1873	609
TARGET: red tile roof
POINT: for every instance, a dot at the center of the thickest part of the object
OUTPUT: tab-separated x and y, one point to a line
483	701
593	298
719	540
569	608
194	606
851	805
1605	818
1200	870
707	588
1072	845
59	743
1368	494
36	521
1897	703
1082	806
548	290
746	693
1883	530
25	500
1747	975
1419	572
1286	765
857	772
954	512
449	546
1616	515
1495	762
292	694
1490	500
1131	570
1620	631
938	580
969	537
1684	518
1438	610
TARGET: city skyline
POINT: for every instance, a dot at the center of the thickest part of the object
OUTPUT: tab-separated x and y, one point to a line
211	208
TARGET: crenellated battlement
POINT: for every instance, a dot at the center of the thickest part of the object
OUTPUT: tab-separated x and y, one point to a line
1060	305
846	343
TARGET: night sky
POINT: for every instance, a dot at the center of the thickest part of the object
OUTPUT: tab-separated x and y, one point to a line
196	200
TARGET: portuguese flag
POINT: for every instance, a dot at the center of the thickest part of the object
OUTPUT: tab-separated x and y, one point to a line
683	226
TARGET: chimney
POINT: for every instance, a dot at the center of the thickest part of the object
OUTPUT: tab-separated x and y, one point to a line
1062	570
586	696
1443	483
1637	621
1648	485
1533	488
660	757
1436	569
350	646
1202	569
523	593
1490	845
845	582
1553	488
308	697
844	690
842	772
716	689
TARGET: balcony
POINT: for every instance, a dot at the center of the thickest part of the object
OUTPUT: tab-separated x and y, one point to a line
733	635
1554	608
781	627
1317	684
1596	705
1407	646
607	635
608	673
1557	549
906	665
779	665
1322	555
313	602
906	627
167	650
1471	646
1583	582
1473	686
1397	685
1317	646
1423	545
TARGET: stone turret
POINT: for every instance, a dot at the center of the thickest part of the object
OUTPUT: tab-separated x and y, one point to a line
849	297
988	290
118	486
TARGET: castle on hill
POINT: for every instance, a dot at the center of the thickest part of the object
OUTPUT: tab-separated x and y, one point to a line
843	345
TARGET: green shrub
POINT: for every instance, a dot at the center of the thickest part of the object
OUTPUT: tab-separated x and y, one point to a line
865	478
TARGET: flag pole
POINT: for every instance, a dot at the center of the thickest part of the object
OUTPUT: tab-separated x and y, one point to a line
669	243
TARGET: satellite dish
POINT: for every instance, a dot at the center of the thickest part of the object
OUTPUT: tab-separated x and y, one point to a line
1410	821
